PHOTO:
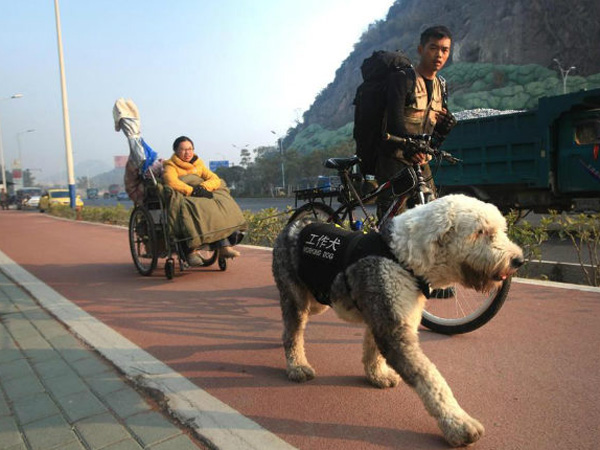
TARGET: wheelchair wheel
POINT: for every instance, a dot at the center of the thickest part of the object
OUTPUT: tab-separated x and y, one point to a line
222	263
208	256
142	241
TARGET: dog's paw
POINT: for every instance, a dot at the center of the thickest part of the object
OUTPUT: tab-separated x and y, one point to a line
300	373
461	431
384	378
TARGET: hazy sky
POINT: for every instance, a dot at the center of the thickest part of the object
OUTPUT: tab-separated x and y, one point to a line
223	72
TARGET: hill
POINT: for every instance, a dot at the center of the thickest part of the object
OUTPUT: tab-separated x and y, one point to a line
502	57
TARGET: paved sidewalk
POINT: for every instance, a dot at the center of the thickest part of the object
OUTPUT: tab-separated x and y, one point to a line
57	394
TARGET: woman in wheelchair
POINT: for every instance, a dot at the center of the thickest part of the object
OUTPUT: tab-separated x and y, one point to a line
187	174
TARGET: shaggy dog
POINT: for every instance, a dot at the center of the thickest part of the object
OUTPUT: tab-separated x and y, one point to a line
455	239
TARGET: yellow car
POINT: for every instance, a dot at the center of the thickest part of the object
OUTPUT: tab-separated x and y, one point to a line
58	197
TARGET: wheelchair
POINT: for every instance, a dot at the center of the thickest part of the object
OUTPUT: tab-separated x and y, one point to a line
150	237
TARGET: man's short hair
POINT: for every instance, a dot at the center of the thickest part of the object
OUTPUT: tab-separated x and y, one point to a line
437	32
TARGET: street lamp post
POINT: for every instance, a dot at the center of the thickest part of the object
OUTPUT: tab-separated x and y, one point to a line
280	148
19	145
2	148
564	73
65	106
21	166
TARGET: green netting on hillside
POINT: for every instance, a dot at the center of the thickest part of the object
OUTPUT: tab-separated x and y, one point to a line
472	86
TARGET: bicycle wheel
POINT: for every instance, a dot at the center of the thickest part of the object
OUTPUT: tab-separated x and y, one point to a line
458	310
142	241
317	212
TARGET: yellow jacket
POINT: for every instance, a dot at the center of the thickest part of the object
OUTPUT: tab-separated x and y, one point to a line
175	168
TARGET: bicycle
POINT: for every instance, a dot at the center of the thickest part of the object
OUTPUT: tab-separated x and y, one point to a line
453	310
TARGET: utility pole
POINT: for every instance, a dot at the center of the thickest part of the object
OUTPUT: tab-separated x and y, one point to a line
2	148
280	148
65	106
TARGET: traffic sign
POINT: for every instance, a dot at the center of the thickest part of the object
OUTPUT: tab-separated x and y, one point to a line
213	165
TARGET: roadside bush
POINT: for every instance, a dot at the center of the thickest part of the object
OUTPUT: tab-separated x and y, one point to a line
529	237
63	211
114	215
265	225
583	230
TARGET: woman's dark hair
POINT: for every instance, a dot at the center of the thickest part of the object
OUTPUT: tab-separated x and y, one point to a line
437	32
181	139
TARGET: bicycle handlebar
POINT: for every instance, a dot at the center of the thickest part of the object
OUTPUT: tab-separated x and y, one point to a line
431	151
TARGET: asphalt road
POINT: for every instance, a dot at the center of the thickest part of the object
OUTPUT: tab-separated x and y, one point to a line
530	375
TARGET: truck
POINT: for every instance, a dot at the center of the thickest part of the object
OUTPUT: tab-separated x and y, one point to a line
114	189
537	160
92	193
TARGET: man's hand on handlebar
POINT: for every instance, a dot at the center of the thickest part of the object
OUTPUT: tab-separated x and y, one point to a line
417	151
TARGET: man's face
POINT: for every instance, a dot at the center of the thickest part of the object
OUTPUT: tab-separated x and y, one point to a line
435	53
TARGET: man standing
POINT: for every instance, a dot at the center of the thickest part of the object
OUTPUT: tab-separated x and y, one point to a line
425	113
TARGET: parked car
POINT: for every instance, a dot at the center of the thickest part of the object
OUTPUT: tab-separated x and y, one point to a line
122	196
57	197
26	193
32	203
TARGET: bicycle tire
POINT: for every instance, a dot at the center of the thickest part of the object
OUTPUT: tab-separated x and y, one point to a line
142	241
318	212
469	311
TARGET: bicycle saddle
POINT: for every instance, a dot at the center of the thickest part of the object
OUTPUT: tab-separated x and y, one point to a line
341	163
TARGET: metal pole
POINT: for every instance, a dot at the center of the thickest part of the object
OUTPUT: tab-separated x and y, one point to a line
2	148
564	73
65	106
282	169
21	165
3	166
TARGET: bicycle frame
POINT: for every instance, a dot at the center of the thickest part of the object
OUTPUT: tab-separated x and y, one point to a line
350	199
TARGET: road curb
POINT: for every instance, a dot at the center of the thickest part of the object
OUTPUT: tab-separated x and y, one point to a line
214	421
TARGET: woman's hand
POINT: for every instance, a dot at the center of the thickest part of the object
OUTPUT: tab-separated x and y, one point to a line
199	191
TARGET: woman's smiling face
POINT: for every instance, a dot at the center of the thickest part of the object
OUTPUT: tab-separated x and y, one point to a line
185	151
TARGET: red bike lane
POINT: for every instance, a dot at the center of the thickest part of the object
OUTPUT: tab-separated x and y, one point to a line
530	376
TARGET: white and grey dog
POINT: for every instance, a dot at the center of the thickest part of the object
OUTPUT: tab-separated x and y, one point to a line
455	239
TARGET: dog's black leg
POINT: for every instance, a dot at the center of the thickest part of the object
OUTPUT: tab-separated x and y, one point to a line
295	311
378	372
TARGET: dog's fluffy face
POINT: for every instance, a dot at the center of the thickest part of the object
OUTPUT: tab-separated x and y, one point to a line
456	239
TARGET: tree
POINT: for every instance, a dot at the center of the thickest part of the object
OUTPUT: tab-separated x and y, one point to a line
82	182
245	158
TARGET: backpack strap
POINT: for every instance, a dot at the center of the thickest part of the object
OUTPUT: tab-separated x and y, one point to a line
444	86
411	82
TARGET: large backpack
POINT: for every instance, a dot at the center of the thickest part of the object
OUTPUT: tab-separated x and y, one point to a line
370	102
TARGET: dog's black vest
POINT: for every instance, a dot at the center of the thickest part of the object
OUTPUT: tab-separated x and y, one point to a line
326	250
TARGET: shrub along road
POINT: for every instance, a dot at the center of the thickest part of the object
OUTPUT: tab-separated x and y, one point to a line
530	375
